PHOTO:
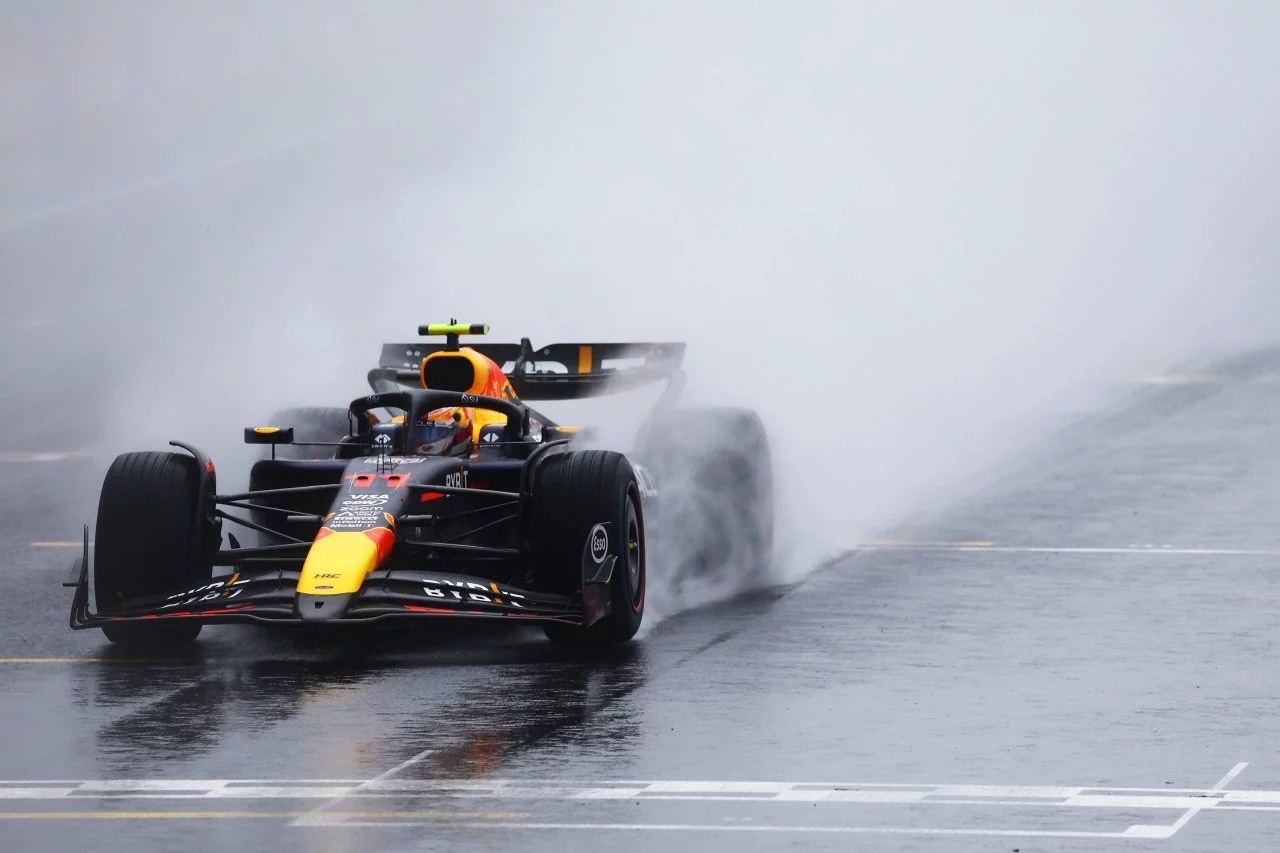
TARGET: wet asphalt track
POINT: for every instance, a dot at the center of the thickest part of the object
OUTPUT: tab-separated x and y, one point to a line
1095	672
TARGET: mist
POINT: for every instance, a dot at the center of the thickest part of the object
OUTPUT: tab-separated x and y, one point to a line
914	236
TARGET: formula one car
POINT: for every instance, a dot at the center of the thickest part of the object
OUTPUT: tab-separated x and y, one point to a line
442	494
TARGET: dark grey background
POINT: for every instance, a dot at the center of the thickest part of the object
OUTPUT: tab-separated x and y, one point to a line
943	248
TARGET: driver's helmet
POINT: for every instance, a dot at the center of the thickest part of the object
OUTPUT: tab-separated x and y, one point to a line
443	432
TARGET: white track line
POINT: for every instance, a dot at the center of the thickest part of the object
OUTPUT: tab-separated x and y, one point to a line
384	785
786	795
1232	774
318	812
42	456
1195	809
728	827
1033	549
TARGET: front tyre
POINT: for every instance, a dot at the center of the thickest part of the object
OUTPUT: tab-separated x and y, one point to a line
148	542
574	492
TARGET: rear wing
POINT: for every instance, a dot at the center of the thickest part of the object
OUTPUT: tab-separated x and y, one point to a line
553	372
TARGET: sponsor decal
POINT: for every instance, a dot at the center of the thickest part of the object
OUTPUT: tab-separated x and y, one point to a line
457	480
393	460
599	539
469	591
370	499
469	399
382	439
358	511
209	592
354	521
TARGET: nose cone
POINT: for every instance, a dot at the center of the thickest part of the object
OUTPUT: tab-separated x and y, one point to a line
335	569
322	608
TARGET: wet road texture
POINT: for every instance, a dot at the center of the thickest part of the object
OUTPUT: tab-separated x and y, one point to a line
1081	657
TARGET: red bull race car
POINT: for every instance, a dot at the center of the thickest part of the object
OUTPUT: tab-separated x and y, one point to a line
441	495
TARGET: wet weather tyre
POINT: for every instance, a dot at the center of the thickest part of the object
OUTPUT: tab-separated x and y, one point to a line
315	423
147	542
574	492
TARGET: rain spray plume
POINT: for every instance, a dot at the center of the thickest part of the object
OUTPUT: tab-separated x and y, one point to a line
989	217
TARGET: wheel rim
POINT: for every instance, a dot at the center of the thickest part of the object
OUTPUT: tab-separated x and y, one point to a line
633	555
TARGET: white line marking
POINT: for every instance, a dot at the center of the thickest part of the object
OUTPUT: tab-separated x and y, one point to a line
384	785
1182	379
1107	801
680	787
358	790
282	792
42	456
1147	831
862	796
694	827
924	543
1030	549
35	793
206	786
787	795
1232	774
1272	797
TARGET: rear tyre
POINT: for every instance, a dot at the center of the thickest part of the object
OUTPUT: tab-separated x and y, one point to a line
314	423
149	541
715	511
573	492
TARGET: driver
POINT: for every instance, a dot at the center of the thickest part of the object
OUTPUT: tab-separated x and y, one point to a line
444	432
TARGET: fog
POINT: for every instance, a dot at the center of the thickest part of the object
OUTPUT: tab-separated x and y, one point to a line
914	236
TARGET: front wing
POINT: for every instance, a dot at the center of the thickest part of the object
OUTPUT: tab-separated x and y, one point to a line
270	597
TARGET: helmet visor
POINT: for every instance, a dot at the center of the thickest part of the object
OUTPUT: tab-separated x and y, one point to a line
439	438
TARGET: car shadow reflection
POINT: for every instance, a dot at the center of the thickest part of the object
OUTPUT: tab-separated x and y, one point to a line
582	701
368	700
